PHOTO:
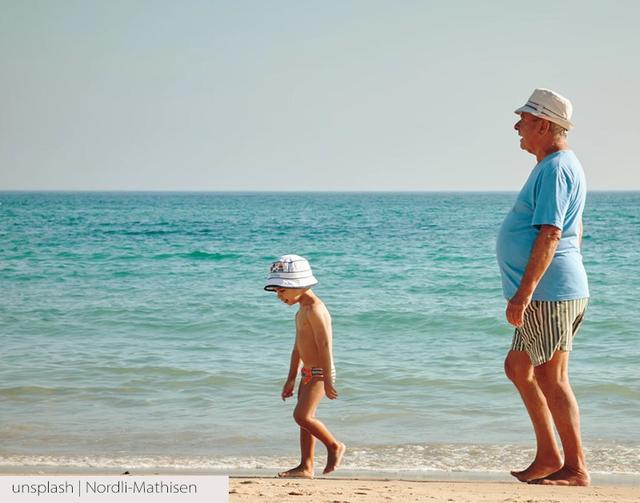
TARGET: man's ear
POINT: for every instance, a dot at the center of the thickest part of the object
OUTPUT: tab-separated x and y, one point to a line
543	128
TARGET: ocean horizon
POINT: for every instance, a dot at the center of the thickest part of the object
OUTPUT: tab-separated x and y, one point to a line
136	333
288	192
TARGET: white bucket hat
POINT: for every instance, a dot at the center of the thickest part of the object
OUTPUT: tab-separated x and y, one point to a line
290	271
549	105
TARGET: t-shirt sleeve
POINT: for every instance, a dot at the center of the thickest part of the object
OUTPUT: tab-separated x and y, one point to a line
552	199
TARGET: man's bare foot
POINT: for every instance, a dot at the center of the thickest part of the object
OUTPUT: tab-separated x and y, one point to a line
334	457
565	477
537	470
299	472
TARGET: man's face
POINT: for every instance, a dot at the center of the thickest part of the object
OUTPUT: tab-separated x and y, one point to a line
528	128
289	296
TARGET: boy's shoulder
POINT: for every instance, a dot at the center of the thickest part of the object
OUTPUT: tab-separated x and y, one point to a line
320	309
317	307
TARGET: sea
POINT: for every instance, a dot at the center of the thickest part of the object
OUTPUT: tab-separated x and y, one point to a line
135	334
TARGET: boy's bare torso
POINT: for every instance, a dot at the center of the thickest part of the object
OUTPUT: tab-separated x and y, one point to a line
305	340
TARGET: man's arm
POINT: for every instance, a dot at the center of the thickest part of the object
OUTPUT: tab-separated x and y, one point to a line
580	234
544	248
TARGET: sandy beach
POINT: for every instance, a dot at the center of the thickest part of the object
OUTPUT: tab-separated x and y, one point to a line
255	490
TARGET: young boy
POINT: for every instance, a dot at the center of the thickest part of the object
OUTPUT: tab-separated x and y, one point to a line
291	278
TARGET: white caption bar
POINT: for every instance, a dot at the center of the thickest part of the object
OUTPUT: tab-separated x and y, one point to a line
115	489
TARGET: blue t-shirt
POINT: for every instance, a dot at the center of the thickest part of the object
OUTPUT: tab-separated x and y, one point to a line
554	194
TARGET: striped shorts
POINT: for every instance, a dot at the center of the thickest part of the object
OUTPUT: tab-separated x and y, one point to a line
549	326
309	373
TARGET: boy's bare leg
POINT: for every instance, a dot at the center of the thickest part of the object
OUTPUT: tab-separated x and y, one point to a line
553	378
307	448
305	469
334	458
309	397
520	371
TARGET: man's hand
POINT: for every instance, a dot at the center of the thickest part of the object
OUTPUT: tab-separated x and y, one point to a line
287	389
516	308
329	390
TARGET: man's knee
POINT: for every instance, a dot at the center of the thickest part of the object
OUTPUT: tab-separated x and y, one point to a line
518	368
548	377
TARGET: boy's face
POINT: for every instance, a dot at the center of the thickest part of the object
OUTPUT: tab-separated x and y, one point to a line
290	296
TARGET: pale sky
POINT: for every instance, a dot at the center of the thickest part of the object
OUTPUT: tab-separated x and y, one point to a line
308	95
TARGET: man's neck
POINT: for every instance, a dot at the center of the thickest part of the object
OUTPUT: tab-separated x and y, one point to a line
554	147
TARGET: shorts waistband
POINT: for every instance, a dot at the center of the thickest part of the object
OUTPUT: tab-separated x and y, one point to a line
309	373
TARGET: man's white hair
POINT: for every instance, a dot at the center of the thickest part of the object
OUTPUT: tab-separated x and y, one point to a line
557	130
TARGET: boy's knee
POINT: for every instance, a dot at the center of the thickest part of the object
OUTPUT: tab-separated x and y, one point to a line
301	418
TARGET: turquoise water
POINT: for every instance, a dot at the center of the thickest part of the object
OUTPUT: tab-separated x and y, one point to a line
135	332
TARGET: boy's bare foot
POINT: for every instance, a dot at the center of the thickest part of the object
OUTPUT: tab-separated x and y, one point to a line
334	457
565	477
299	472
537	470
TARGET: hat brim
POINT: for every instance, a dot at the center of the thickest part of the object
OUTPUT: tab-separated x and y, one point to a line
529	109
275	283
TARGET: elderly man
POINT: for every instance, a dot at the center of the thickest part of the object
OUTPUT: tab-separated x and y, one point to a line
544	281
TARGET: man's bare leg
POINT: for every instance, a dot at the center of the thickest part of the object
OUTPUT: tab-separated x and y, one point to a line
308	399
553	378
548	460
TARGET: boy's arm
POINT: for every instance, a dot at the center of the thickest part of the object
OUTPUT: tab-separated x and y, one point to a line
294	365
321	327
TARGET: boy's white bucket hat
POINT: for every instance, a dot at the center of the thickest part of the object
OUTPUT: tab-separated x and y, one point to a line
290	271
549	105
